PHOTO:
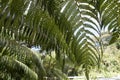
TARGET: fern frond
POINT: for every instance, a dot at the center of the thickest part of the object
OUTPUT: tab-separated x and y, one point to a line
12	66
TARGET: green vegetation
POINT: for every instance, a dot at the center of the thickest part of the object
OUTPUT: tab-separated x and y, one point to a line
110	65
111	61
68	32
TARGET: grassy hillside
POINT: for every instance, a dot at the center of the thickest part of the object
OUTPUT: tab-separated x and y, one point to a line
110	66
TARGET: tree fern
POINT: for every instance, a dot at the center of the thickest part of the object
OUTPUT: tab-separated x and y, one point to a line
69	27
